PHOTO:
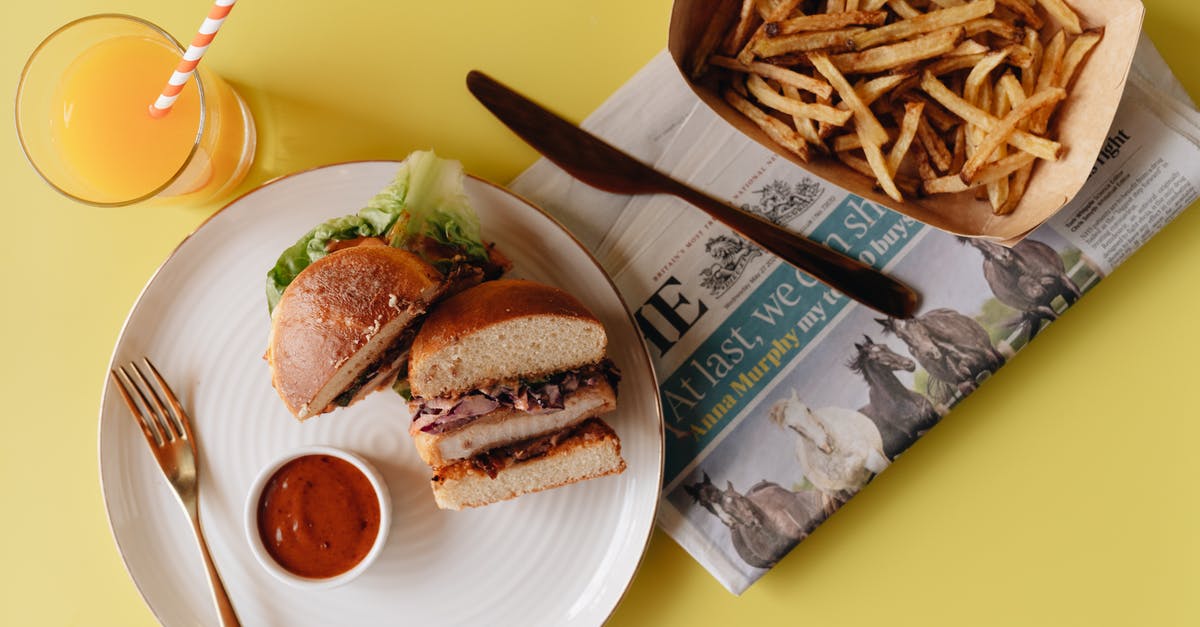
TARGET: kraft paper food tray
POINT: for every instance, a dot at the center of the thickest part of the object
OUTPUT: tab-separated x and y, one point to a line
1081	124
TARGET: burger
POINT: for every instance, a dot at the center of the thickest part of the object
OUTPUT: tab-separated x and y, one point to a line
508	380
345	300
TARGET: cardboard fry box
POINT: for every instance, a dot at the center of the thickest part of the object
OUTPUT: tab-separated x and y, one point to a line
1080	123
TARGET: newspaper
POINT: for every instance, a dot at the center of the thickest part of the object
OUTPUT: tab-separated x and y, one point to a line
782	397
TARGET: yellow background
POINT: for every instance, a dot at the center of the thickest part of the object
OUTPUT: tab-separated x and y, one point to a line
1062	493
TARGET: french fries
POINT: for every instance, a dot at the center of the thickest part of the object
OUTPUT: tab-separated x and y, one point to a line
819	112
908	131
1001	133
781	75
826	21
775	129
922	96
892	56
921	24
1062	14
842	39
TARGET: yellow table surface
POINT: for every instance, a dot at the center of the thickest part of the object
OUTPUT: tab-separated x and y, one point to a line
1062	493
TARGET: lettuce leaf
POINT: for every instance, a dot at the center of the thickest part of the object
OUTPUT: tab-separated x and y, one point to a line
426	201
435	206
369	222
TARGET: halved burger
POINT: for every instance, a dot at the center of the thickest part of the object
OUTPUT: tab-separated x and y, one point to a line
346	299
508	379
344	326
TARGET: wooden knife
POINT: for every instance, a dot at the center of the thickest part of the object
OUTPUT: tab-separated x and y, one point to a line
600	165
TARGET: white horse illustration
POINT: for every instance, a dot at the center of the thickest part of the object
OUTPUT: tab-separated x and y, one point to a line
839	449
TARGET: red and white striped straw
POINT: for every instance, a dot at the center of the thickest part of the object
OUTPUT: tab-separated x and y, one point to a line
191	58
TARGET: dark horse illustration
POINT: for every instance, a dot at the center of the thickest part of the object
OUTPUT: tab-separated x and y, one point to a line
765	522
1027	277
954	349
900	413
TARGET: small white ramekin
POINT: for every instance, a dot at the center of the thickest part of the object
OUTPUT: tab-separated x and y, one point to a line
251	518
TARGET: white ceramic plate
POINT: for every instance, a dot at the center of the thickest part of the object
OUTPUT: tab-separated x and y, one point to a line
562	557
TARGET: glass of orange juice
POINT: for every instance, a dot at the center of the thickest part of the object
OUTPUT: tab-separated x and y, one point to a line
83	118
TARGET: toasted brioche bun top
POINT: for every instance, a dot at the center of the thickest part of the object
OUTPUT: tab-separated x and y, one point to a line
502	330
344	303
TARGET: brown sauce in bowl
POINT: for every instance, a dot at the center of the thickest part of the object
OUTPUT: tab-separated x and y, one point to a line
318	516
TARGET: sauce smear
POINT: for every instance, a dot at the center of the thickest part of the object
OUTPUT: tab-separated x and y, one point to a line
318	516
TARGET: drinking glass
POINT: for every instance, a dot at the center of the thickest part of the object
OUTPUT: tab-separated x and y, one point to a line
83	118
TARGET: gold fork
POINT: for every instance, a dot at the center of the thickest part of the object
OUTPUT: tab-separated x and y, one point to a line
168	431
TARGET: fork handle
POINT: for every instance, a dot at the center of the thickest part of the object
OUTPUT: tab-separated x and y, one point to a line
224	606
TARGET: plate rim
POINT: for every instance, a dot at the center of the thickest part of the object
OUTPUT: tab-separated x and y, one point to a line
641	348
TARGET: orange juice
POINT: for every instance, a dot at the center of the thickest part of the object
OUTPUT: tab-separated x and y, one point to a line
101	122
83	117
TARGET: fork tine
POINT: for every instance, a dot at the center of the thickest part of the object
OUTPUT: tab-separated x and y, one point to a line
152	433
159	410
183	425
152	411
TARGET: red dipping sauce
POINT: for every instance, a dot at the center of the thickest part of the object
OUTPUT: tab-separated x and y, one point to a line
318	516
